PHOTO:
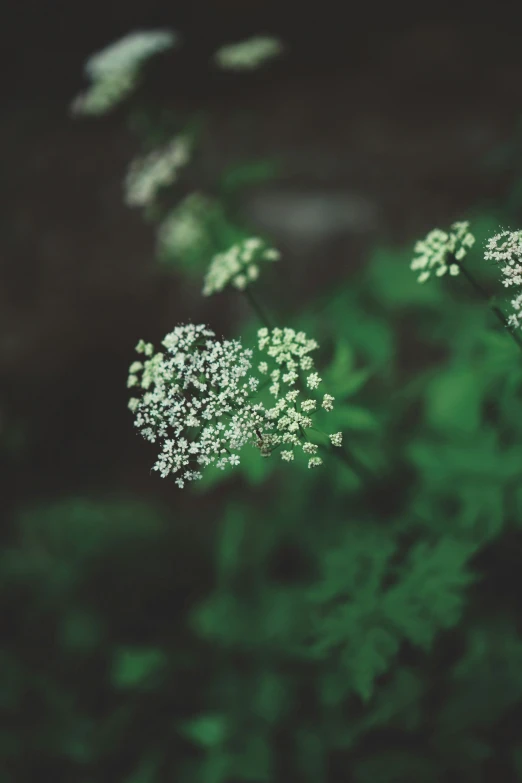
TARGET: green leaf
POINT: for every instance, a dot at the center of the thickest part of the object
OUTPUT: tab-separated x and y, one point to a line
431	594
208	731
454	399
229	547
253	762
246	174
134	667
147	771
353	417
270	698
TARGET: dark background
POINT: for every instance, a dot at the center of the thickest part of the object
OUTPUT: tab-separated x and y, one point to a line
382	115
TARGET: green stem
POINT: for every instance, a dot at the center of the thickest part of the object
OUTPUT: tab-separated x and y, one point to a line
354	463
485	295
348	457
257	308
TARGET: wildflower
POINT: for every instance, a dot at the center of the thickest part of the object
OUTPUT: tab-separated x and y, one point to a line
202	402
327	402
239	265
114	71
435	251
249	54
506	248
337	439
196	402
292	412
515	319
156	170
313	380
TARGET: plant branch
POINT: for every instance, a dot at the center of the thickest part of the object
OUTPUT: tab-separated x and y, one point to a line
257	308
485	295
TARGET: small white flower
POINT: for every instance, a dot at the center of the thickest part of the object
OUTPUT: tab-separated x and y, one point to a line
436	249
236	266
506	249
287	455
337	439
313	380
248	54
315	462
327	402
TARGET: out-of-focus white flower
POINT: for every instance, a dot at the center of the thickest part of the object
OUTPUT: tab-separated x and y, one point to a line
114	71
185	234
249	54
238	266
435	251
159	168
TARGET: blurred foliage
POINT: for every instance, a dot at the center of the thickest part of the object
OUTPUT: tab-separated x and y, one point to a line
309	634
301	626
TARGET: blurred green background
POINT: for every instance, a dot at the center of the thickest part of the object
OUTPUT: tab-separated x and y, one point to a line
269	624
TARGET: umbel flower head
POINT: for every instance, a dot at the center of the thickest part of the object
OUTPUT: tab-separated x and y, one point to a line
439	250
248	55
505	248
159	168
114	71
201	398
238	266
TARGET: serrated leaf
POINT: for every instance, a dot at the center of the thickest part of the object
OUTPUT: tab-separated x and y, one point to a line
431	594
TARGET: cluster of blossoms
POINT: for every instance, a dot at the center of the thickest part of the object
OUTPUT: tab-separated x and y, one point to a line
505	249
159	168
288	362
114	71
436	251
185	227
239	265
201	399
249	54
196	401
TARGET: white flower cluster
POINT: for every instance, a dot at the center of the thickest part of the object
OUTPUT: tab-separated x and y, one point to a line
249	54
113	72
239	265
433	251
506	249
184	228
288	358
200	398
159	168
196	401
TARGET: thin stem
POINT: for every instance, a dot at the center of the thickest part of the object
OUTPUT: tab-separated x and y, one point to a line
354	463
257	308
485	295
